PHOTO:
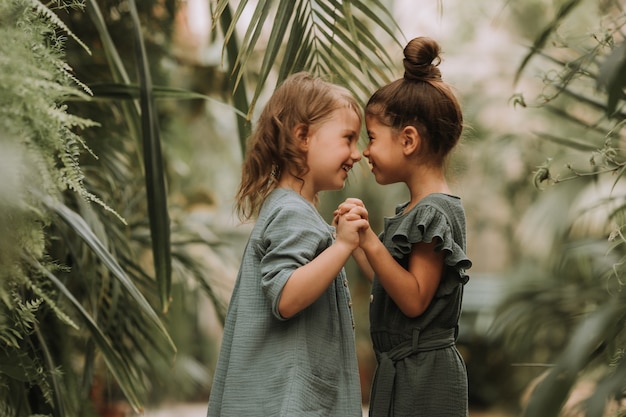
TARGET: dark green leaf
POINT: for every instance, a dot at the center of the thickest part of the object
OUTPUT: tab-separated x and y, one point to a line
79	226
116	364
565	9
612	77
551	393
608	389
273	46
239	90
132	92
154	172
577	144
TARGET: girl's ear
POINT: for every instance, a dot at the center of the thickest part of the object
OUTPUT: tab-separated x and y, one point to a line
411	140
301	132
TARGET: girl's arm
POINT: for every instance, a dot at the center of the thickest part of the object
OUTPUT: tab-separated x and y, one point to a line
358	254
307	283
364	265
413	289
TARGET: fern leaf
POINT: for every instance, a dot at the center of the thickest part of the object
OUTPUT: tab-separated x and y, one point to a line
52	17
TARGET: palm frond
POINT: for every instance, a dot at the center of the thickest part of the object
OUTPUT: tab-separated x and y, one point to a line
117	365
154	172
309	34
591	335
240	98
565	9
130	91
612	77
117	68
611	388
78	225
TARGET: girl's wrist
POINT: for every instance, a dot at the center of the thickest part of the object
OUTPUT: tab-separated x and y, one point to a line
344	247
368	244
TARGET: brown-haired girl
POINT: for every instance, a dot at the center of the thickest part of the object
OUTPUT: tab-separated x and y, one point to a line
288	346
418	262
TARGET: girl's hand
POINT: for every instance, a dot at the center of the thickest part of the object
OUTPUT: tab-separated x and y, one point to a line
349	227
346	207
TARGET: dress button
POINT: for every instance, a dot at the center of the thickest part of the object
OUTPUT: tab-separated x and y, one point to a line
345	282
350	303
371	298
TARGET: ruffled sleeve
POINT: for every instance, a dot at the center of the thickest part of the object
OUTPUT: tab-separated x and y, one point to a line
428	223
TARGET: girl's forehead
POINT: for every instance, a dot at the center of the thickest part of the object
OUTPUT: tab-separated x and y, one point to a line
371	120
345	112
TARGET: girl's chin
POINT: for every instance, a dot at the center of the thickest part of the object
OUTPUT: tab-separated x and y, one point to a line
379	179
340	185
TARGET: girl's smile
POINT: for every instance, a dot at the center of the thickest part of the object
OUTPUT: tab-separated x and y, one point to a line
332	150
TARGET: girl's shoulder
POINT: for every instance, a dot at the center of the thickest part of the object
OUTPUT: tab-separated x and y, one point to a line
437	217
283	205
444	203
286	199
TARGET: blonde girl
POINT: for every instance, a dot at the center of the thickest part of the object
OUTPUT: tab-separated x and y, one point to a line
288	346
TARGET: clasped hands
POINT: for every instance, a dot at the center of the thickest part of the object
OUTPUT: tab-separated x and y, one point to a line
351	209
351	216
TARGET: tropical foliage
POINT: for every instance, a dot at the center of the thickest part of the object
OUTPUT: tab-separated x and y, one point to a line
64	290
114	143
566	314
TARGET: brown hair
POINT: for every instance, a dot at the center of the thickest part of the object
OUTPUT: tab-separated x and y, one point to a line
273	148
421	99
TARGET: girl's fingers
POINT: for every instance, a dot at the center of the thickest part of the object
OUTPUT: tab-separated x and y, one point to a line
348	205
360	211
354	201
344	208
352	216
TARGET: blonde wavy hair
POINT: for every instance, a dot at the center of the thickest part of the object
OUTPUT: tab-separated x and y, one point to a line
302	100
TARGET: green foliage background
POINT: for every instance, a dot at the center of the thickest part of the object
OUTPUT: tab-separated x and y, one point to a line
120	146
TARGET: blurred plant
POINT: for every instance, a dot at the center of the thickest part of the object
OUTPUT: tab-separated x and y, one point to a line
566	313
76	288
68	305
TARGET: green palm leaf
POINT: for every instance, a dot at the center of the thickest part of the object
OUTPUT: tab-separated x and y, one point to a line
129	91
116	65
552	392
565	9
78	225
116	362
240	98
153	160
612	77
328	38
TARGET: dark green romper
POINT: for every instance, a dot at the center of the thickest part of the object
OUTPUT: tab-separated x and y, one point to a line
420	372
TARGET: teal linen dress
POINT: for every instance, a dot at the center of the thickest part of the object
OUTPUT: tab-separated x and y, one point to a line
269	366
420	372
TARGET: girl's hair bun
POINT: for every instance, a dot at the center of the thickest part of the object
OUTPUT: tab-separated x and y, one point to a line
421	58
